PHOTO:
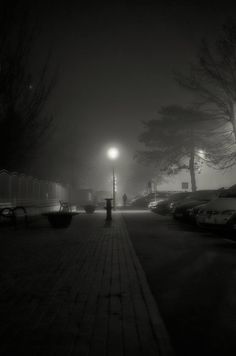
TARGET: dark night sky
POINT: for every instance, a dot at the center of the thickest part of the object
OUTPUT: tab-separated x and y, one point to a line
116	71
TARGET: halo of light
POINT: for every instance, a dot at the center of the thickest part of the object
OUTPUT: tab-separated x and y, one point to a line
113	153
201	154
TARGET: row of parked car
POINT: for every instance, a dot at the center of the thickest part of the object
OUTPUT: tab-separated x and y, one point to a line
203	207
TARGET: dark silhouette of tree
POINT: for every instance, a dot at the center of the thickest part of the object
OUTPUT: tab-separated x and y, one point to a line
213	81
24	123
177	140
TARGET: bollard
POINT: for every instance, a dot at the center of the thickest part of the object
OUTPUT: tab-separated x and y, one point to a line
108	209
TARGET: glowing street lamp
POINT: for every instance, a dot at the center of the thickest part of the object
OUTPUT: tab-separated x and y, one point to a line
113	154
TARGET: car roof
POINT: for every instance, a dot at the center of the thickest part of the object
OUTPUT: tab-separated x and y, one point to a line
229	192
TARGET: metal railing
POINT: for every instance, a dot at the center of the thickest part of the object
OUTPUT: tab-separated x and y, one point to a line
22	190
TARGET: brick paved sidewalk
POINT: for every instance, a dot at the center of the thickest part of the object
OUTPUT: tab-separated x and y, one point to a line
79	291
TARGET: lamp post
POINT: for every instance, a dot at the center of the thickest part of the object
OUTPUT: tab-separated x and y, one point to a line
113	154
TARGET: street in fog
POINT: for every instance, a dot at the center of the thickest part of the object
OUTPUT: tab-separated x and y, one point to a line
192	274
109	114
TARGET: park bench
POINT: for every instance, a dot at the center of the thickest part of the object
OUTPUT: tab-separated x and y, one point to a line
13	213
64	206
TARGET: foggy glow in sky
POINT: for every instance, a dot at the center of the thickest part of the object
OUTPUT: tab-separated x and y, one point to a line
118	63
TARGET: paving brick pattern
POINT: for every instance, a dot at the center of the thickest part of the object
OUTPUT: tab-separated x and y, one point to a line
78	291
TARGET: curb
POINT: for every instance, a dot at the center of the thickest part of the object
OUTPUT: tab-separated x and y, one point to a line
158	327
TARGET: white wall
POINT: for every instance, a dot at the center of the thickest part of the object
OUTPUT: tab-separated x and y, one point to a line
208	179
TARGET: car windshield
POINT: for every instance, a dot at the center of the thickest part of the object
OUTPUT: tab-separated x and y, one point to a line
179	196
158	195
163	195
205	195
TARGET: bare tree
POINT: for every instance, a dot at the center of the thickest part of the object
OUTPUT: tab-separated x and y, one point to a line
213	80
177	140
24	123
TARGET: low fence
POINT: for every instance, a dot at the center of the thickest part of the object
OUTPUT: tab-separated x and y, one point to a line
21	190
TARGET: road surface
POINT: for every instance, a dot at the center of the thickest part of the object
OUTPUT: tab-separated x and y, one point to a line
192	275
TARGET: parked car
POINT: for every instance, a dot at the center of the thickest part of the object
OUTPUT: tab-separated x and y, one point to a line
221	211
152	204
139	202
144	201
159	197
184	209
193	212
165	207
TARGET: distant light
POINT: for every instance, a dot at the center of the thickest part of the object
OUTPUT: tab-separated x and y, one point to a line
113	153
201	154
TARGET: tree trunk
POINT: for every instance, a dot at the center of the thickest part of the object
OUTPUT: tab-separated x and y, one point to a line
234	121
192	171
